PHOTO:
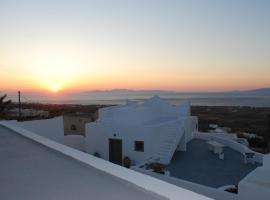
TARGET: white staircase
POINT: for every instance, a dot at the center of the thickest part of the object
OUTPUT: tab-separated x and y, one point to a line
168	144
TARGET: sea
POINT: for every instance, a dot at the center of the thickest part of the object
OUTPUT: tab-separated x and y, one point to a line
200	99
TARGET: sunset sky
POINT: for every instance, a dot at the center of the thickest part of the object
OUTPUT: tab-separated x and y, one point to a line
84	45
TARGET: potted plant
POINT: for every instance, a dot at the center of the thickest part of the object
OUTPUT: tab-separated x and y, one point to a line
158	168
126	162
232	189
96	154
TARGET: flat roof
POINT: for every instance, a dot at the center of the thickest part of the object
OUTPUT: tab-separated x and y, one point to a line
30	170
201	166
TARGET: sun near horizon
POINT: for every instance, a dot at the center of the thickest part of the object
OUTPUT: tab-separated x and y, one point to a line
54	89
179	46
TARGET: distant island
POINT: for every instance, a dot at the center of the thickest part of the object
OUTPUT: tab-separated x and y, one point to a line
253	92
260	91
253	98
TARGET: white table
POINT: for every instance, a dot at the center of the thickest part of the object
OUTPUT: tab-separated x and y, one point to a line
216	147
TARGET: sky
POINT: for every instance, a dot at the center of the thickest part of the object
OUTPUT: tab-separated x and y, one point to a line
79	45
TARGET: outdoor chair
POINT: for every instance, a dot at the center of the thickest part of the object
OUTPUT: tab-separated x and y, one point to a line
249	157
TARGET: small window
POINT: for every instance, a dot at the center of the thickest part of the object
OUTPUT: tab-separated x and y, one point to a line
139	146
73	127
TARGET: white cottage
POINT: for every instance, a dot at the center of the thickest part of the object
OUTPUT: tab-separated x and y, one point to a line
154	129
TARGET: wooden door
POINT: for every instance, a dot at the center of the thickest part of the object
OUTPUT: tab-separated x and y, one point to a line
115	151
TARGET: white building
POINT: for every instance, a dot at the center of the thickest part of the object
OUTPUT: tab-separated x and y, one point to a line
151	130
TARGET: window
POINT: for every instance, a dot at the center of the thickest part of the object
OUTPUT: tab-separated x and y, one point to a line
139	146
73	127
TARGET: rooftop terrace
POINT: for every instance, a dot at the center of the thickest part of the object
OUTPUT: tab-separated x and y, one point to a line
30	170
199	165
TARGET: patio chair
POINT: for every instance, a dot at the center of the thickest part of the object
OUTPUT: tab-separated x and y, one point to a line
249	157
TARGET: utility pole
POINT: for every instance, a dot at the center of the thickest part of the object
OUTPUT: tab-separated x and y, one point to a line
20	112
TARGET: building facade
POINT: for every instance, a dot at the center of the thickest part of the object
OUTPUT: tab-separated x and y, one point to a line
151	130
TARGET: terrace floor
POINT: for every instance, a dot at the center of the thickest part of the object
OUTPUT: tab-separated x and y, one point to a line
201	166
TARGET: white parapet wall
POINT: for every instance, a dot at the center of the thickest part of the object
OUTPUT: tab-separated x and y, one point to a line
50	128
255	185
266	161
148	183
75	141
53	129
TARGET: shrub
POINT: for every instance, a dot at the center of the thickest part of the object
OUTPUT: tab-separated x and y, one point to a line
126	162
158	168
96	154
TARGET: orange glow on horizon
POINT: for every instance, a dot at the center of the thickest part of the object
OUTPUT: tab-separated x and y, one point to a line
59	69
59	47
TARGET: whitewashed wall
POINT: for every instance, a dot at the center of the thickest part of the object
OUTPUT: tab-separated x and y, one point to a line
97	140
98	135
255	185
266	161
50	128
53	129
146	122
75	141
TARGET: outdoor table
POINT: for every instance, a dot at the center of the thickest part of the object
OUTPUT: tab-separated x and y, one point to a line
216	147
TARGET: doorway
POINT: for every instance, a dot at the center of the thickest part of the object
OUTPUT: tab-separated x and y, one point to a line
115	151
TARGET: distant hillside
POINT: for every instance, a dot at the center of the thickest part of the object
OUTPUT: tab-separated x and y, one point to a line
125	92
115	92
255	92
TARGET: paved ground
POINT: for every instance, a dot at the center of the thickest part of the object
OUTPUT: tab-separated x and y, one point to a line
201	166
30	171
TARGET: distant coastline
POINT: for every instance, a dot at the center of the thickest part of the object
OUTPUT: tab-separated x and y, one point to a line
250	98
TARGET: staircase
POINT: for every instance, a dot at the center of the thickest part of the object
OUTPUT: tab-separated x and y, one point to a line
168	144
